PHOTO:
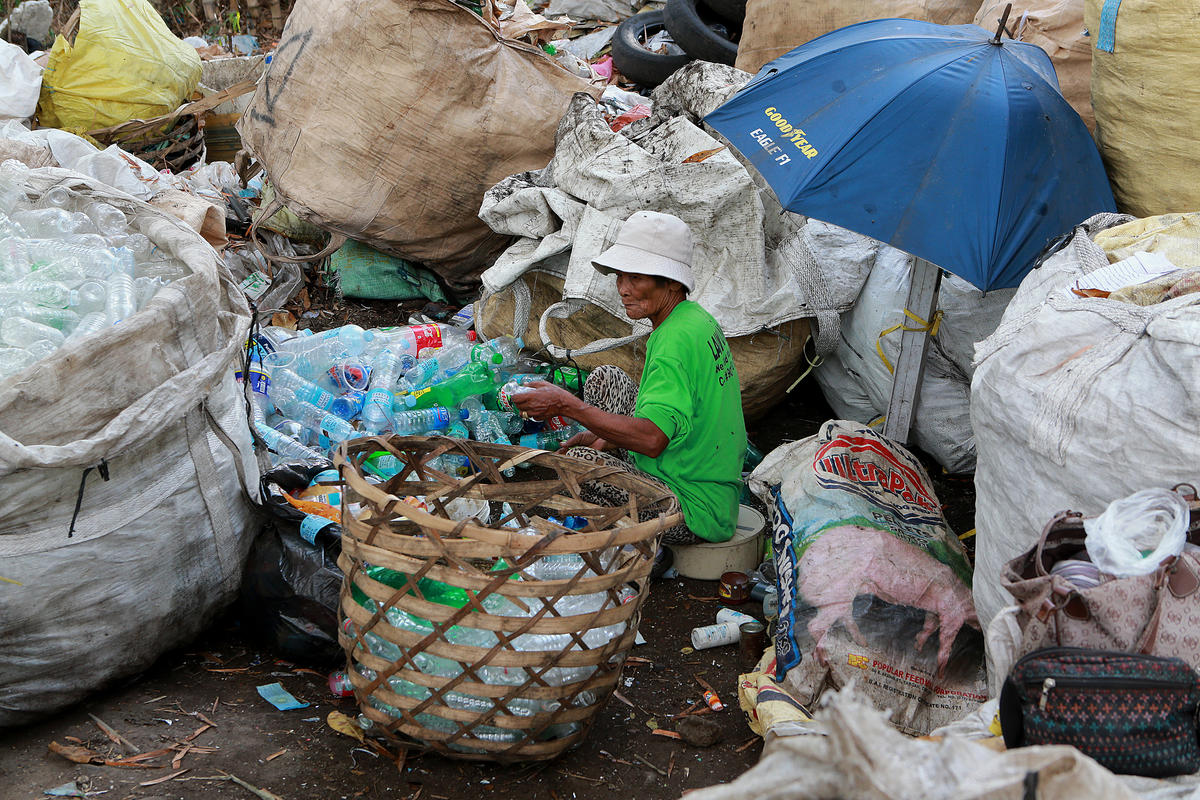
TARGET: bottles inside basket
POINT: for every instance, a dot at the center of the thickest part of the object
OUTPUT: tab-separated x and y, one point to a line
312	391
546	568
71	266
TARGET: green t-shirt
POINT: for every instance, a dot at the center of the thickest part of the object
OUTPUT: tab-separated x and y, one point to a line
690	391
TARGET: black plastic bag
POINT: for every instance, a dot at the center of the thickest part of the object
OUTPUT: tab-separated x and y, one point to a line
290	590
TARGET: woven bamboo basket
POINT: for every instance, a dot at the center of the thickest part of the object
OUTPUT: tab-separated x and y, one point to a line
464	685
173	141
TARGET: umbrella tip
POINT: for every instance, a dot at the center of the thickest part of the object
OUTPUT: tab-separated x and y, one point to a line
1003	21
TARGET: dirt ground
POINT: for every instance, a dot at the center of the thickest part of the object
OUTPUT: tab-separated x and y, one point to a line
295	755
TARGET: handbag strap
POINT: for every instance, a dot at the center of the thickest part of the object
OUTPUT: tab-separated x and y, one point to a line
1051	526
1176	578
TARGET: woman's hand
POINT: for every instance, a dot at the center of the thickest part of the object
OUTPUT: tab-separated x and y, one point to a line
546	400
585	439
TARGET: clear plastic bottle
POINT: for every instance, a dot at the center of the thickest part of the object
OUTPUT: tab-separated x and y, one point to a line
14	359
377	412
436	365
122	298
50	223
501	351
21	332
90	296
91	324
46	293
61	318
108	219
287	448
330	345
423	420
93	261
415	339
453	463
331	426
306	390
423	373
160	265
12	184
145	289
56	197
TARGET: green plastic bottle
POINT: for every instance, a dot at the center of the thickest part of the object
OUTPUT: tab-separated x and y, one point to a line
471	381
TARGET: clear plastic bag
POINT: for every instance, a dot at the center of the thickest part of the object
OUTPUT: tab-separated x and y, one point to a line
1135	533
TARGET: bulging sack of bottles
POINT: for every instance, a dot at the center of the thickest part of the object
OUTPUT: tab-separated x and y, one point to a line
873	586
484	617
124	456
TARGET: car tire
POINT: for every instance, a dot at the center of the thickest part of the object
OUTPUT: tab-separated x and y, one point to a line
633	60
732	10
691	32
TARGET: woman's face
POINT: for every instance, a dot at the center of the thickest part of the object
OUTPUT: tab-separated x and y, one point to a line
641	295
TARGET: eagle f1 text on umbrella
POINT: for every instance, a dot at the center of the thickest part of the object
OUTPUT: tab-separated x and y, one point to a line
791	134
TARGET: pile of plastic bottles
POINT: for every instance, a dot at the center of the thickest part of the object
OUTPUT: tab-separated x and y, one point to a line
558	567
314	391
70	266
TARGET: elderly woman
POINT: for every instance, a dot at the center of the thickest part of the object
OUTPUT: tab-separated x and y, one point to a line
684	425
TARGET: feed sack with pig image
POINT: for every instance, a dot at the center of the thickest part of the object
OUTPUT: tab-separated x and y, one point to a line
873	586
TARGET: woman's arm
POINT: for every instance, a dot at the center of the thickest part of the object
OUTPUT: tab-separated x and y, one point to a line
632	433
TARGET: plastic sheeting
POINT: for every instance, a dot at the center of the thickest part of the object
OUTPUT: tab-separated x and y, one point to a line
755	265
20	83
851	751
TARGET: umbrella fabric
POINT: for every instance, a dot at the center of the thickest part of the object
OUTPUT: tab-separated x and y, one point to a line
928	137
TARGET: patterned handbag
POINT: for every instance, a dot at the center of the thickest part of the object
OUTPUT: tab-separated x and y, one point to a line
1133	714
1156	614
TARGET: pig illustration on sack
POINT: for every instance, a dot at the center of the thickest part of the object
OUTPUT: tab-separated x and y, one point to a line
851	560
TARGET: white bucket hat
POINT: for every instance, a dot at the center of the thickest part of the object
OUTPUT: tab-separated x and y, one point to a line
651	243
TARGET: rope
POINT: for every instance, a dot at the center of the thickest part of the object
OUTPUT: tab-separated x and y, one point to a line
922	326
563	310
813	362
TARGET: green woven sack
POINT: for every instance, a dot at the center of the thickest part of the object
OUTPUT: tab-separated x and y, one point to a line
360	271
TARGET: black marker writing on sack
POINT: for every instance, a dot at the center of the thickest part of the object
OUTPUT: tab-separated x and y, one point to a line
270	96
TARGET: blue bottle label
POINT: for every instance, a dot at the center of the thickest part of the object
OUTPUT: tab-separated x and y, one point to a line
310	526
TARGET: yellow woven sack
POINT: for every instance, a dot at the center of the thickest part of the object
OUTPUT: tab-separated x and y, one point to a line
125	64
1145	57
1176	236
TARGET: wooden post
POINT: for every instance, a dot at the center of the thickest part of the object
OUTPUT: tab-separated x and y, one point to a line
910	366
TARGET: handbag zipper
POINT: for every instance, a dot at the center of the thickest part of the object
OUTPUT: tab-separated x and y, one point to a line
1049	683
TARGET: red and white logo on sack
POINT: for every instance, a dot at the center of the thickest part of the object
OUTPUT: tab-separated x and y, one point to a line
868	468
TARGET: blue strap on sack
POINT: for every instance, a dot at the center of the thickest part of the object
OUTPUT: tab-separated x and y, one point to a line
1106	39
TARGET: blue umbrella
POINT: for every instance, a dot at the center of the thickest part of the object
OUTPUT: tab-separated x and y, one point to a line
940	140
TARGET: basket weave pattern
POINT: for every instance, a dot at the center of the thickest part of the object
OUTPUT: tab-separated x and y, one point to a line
546	699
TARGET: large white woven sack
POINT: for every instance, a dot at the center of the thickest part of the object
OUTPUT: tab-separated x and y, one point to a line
1077	402
157	548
